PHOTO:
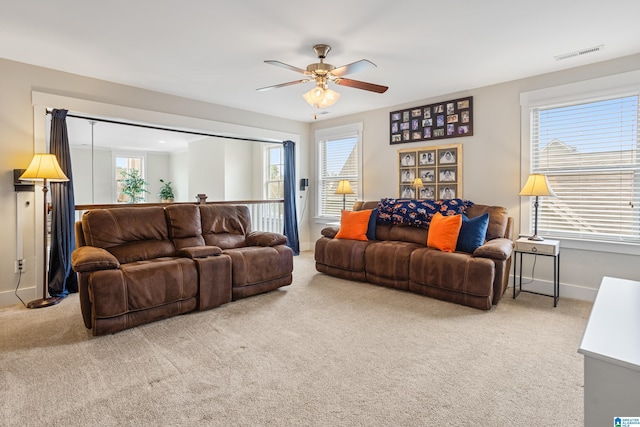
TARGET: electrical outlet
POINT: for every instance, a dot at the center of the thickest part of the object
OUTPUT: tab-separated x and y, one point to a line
19	267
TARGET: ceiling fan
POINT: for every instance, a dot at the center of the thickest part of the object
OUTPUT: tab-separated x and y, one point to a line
322	73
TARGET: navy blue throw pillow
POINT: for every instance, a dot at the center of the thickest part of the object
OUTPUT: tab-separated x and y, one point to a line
371	228
472	233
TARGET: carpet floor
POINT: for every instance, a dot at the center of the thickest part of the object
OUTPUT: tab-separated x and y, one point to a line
321	352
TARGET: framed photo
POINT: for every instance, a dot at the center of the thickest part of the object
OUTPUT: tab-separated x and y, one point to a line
407	159
427	157
447	156
448	191
438	167
447	174
428	192
448	119
407	192
427	175
407	176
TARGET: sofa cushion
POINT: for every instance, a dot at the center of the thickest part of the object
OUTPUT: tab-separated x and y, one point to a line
185	226
130	234
143	285
498	219
387	263
354	225
225	226
458	272
443	232
472	233
256	264
341	253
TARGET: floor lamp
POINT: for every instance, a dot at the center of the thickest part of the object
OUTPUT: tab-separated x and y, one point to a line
44	167
344	188
536	185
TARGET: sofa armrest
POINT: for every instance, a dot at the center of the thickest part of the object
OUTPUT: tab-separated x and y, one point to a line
499	249
90	258
199	251
330	232
265	238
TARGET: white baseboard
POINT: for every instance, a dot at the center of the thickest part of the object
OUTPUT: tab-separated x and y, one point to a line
8	298
307	246
546	287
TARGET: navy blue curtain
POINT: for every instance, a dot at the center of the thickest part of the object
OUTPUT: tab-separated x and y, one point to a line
62	279
290	215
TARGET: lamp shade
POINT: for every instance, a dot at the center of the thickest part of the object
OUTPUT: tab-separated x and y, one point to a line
321	97
330	97
314	96
44	166
344	187
537	185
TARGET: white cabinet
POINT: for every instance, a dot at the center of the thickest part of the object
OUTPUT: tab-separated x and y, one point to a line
611	349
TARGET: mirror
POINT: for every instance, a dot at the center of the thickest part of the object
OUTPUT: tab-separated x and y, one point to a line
221	168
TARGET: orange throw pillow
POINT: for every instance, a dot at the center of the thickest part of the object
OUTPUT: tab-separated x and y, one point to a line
354	224
443	232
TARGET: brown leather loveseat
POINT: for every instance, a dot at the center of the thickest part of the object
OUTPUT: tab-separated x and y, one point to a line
399	258
140	264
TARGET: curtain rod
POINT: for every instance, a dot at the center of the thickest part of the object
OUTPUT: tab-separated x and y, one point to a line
140	125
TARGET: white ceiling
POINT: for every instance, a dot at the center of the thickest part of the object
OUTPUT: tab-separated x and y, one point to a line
213	51
110	136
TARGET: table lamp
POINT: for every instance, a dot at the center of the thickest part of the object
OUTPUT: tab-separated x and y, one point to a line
536	185
344	188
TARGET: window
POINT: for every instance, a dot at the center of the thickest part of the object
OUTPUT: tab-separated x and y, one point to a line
588	149
339	158
126	164
274	168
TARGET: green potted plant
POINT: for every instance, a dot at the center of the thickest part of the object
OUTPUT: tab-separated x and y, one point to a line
166	192
133	185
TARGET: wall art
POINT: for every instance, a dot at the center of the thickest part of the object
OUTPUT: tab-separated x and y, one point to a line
438	167
449	119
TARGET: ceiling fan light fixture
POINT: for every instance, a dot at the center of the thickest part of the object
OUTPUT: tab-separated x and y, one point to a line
321	97
314	96
330	98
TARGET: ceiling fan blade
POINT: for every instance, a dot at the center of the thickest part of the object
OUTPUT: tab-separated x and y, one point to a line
283	85
287	66
354	67
361	85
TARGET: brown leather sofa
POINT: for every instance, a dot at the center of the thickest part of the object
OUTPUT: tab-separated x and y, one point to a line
399	258
140	264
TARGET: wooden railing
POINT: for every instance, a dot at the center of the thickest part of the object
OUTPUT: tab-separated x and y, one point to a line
266	215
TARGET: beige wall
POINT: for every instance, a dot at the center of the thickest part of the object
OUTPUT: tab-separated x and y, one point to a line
20	135
491	158
491	162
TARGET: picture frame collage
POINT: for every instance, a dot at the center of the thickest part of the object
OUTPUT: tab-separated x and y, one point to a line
449	119
438	167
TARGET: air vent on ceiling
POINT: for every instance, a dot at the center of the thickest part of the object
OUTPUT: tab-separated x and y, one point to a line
579	52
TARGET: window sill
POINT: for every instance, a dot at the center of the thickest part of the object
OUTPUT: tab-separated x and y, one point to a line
327	221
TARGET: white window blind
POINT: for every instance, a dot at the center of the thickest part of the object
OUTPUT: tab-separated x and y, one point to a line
338	159
589	152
